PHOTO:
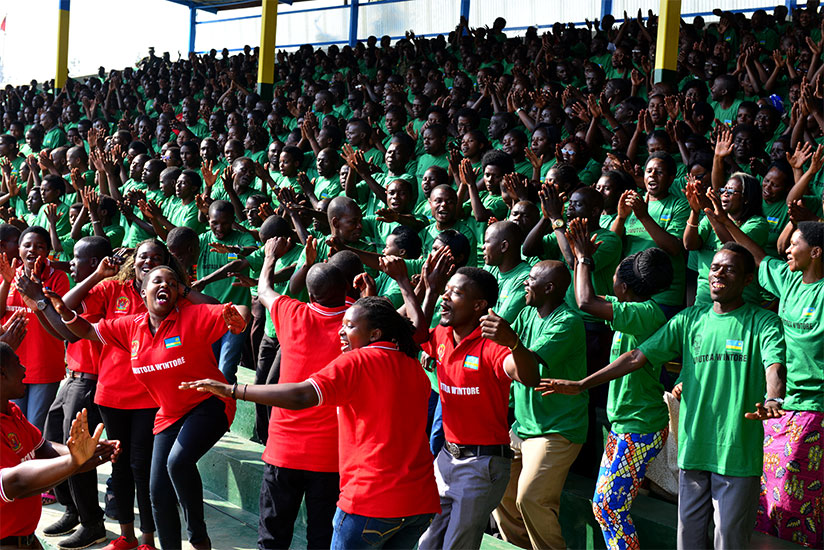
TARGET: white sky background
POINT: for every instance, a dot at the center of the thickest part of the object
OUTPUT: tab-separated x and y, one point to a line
118	33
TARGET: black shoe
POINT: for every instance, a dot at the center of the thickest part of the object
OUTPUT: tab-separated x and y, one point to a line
62	526
84	537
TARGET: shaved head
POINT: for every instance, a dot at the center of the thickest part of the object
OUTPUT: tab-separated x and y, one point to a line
326	285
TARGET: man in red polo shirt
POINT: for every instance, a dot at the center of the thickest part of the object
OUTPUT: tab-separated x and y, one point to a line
79	493
477	356
301	452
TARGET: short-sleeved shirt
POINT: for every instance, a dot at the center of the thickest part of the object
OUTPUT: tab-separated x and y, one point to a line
511	293
671	214
116	385
256	260
606	258
185	215
756	228
474	386
179	351
559	341
472	229
208	262
635	401
62	225
777	217
723	372
40	352
305	439
802	313
19	441
382	396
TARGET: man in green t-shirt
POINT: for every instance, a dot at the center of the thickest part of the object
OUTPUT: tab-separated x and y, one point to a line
733	355
548	430
221	218
502	258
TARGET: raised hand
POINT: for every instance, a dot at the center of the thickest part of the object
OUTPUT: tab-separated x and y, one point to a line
394	266
365	285
276	246
551	205
696	195
82	444
583	246
536	161
7	270
233	319
311	250
207	168
801	154
498	330
14	329
437	269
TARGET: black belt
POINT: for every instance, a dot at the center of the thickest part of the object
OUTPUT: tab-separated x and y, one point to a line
465	451
20	541
81	375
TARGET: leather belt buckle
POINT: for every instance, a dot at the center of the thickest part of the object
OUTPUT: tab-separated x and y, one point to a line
453	449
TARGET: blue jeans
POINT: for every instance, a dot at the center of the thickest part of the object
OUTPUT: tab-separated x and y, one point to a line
353	532
36	402
228	350
436	437
174	477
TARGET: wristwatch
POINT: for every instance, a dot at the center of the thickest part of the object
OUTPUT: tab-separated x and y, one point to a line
778	400
42	304
586	261
558	224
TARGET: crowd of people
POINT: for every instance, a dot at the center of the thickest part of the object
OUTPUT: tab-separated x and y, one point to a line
433	254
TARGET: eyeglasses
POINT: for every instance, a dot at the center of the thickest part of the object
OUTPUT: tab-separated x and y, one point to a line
570	152
729	191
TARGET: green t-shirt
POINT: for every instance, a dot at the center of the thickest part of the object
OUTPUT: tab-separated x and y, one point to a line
777	218
471	228
728	115
55	137
756	228
511	294
208	262
671	214
113	232
606	258
327	188
635	403
558	341
185	215
63	226
802	312
723	372
255	260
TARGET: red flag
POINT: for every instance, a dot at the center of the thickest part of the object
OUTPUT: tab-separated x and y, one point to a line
3	25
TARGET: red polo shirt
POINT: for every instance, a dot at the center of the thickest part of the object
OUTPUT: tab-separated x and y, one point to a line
116	385
179	351
19	441
308	334
83	355
41	353
474	387
386	467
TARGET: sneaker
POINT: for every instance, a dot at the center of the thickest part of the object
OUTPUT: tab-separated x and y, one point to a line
84	537
62	526
120	543
146	547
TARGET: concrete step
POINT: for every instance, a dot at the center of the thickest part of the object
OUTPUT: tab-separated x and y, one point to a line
244	422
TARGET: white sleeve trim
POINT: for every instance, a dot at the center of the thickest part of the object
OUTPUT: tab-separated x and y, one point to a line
504	368
317	390
3	496
99	336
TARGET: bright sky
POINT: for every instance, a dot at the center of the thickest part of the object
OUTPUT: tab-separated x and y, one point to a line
111	33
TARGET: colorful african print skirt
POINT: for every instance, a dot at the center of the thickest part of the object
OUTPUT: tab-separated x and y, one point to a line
792	500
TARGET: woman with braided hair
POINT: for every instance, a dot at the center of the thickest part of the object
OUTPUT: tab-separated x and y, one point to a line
635	405
388	493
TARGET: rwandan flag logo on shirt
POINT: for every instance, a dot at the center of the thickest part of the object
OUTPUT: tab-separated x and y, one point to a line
808	311
735	345
471	362
232	256
665	217
772	220
173	342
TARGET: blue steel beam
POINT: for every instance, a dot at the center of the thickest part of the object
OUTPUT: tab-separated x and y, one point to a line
354	8
192	27
606	8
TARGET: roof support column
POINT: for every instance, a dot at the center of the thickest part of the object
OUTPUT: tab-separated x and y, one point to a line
192	27
354	12
62	72
266	57
465	9
666	49
606	8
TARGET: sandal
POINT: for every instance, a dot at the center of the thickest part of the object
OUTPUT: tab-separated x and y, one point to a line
47	499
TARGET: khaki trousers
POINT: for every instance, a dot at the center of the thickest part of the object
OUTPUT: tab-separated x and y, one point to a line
528	513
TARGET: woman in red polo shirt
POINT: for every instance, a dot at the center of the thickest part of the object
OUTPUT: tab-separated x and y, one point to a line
388	492
168	345
41	352
128	410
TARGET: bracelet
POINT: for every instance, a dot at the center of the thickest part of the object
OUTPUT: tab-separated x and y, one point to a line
95	221
778	400
244	392
234	389
72	320
695	225
518	343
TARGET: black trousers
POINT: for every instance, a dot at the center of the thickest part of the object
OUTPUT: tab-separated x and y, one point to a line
281	493
267	372
79	492
130	474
